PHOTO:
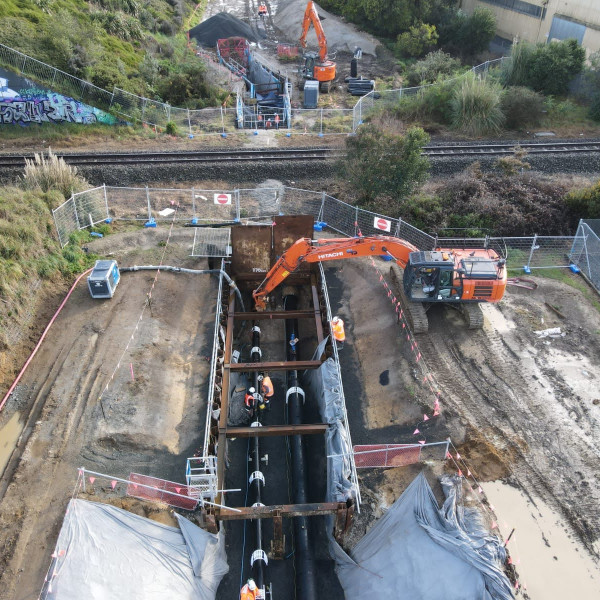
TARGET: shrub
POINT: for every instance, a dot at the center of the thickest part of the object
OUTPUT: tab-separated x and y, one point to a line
417	40
546	68
51	173
171	128
384	167
435	65
475	107
468	34
584	203
522	107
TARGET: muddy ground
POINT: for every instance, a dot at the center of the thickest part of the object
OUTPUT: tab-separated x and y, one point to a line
516	406
149	424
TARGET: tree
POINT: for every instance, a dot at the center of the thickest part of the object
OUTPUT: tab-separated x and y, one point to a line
417	40
385	167
468	34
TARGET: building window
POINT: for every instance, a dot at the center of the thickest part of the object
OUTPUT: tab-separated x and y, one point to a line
526	8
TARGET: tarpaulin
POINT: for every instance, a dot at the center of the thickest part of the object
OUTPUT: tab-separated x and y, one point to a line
106	552
419	551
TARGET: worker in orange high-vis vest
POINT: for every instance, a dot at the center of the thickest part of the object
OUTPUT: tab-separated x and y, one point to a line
267	388
249	591
337	329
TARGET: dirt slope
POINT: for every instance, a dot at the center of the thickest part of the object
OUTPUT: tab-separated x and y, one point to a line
148	425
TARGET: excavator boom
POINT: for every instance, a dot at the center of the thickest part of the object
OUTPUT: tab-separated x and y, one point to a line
311	16
307	250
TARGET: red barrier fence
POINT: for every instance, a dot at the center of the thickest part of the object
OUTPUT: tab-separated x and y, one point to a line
165	491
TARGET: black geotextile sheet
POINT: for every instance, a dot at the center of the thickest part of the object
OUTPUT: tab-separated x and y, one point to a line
106	552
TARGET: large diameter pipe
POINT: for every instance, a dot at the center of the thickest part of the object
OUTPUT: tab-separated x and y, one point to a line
258	481
305	568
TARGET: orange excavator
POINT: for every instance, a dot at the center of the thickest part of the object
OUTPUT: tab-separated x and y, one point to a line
316	66
460	278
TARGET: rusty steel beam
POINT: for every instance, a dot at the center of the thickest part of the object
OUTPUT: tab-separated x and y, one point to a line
281	365
284	510
275	430
257	316
222	437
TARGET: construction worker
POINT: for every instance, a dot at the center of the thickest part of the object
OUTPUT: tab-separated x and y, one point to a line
250	400
266	388
249	591
337	330
262	10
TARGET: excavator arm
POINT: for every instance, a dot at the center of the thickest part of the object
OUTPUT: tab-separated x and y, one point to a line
311	16
307	250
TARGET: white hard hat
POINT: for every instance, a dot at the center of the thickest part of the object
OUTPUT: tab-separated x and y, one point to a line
260	377
251	584
252	390
335	319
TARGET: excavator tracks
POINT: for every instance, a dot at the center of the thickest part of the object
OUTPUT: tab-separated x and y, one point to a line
473	315
416	313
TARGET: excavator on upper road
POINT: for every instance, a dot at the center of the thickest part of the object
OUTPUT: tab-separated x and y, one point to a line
316	66
461	278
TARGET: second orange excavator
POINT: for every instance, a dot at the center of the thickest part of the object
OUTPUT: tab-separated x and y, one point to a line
460	278
316	66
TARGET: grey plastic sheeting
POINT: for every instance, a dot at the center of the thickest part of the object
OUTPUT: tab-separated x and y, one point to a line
420	552
106	552
323	384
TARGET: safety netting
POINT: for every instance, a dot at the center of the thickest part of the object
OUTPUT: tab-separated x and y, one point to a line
423	552
106	552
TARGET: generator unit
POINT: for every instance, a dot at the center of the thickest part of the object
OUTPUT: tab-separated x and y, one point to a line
311	94
103	279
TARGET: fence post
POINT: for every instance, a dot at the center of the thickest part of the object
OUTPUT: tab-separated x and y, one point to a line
397	234
237	205
189	122
106	201
533	247
321	122
193	202
320	217
587	256
148	202
356	221
579	228
75	209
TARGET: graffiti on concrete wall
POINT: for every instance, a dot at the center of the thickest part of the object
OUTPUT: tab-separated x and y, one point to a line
22	102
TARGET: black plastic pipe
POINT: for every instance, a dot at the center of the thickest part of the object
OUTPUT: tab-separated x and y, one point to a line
305	568
258	568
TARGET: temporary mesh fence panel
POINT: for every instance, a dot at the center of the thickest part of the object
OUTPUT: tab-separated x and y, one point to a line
91	207
339	216
211	241
585	251
301	202
166	205
163	491
415	236
550	251
128	203
367	221
65	219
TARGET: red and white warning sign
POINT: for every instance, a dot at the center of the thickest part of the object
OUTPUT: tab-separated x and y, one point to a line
222	198
382	224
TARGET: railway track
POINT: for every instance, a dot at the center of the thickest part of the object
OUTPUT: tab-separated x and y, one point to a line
298	154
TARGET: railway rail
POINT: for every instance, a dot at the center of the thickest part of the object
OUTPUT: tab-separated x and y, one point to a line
299	154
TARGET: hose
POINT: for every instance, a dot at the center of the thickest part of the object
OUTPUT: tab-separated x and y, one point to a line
191	271
22	371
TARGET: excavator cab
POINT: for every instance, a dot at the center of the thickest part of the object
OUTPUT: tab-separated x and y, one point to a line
454	275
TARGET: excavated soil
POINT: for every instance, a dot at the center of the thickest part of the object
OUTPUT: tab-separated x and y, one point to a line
71	412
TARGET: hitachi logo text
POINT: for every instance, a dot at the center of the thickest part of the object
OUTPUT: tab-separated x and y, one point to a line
330	255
